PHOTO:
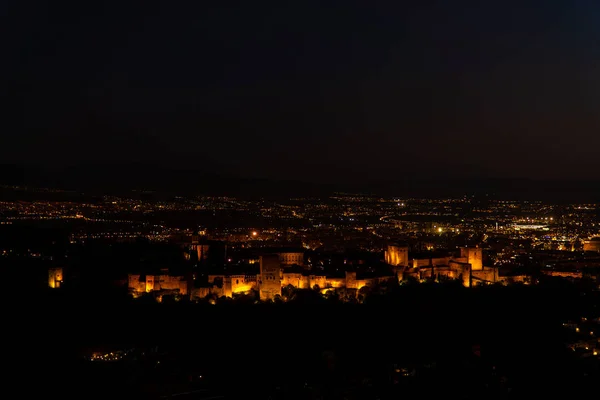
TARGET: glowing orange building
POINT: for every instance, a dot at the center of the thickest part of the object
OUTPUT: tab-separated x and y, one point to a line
55	277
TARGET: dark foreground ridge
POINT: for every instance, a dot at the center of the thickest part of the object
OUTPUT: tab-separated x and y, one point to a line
417	342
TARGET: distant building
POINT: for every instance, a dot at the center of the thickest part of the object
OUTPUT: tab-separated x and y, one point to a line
531	227
592	245
291	257
202	250
228	285
273	275
287	255
397	256
201	245
55	277
468	268
138	284
474	256
565	274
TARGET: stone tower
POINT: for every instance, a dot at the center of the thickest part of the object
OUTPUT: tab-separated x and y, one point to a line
351	280
270	276
474	256
55	277
397	256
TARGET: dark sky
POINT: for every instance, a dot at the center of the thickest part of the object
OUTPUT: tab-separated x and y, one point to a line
318	91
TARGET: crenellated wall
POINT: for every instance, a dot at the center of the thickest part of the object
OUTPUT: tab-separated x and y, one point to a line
488	275
525	279
136	284
424	262
462	271
317	280
439	271
238	284
295	279
334	283
151	283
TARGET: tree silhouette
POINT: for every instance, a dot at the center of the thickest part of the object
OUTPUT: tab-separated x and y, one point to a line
287	292
146	298
307	296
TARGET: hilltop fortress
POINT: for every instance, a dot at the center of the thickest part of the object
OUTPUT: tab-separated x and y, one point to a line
277	273
468	268
286	268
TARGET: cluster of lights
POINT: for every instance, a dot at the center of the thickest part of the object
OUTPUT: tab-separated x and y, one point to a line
112	356
585	344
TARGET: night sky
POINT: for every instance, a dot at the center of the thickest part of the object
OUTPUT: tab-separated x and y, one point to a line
317	91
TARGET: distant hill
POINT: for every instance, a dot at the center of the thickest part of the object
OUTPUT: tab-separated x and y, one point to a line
121	179
124	178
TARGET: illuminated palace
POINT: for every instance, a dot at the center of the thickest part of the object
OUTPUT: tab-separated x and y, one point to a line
162	282
274	276
277	270
280	270
468	267
276	273
592	245
55	277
